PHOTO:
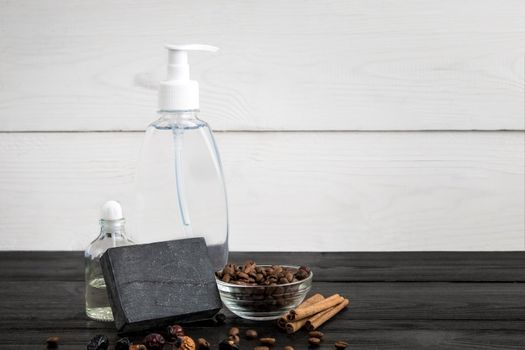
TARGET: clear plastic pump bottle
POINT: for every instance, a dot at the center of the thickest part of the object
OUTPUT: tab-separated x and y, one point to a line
180	190
112	234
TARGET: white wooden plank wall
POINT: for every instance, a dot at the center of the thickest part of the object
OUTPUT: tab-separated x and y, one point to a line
345	125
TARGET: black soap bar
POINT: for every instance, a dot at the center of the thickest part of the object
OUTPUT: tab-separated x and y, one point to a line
153	285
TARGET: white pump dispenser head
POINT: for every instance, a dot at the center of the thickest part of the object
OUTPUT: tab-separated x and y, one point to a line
178	92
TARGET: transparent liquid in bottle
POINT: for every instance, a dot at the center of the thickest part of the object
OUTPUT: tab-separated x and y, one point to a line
112	234
181	191
97	303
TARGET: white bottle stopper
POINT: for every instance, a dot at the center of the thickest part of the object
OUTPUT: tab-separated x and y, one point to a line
178	92
111	210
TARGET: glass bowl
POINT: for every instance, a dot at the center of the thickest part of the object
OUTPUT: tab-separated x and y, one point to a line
262	303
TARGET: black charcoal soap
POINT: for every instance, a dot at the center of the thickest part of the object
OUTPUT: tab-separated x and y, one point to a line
153	285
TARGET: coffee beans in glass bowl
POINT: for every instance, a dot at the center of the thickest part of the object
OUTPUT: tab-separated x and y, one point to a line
263	292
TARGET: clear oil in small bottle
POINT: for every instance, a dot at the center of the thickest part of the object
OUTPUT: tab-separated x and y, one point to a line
112	234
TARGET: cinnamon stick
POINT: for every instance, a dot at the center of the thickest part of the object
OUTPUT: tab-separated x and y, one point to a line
281	322
292	327
316	321
304	312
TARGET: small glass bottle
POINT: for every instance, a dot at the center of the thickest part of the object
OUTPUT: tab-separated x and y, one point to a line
112	234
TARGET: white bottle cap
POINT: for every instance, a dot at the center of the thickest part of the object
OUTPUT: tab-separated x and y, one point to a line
111	210
178	92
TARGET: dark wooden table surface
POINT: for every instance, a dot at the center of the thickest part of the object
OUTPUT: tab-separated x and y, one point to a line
414	300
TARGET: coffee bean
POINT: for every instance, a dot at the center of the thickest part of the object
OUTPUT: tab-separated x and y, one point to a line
228	344
123	344
267	341
233	331
305	268
315	334
203	344
314	341
340	345
251	334
301	274
228	269
289	276
243	275
251	274
235	338
52	342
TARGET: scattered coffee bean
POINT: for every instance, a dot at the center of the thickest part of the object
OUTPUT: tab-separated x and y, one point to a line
251	334
203	344
267	341
98	342
175	331
234	331
138	347
316	334
251	274
123	344
154	341
228	344
52	342
288	347
235	338
261	348
301	274
340	345
220	318
314	341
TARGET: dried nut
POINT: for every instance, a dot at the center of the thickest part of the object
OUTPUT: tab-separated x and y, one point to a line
340	345
154	341
138	347
98	342
52	342
123	344
175	331
228	344
314	341
203	344
233	331
184	343
235	338
316	334
288	347
267	341
261	348
251	334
